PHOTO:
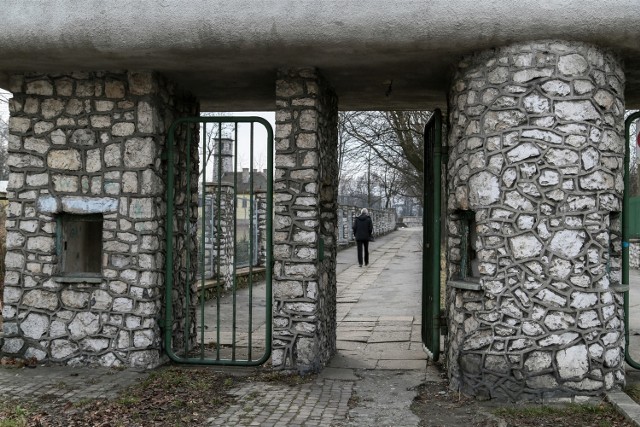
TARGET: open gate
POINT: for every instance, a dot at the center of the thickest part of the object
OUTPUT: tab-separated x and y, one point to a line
219	243
431	235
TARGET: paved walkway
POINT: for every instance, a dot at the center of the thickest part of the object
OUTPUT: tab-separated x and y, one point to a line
379	350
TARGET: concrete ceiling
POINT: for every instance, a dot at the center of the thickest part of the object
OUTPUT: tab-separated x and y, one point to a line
378	54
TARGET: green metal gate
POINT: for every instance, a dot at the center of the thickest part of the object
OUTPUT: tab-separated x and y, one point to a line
431	235
219	249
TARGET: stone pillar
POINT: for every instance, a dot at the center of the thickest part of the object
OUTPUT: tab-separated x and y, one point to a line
634	255
219	247
89	145
261	211
305	196
535	153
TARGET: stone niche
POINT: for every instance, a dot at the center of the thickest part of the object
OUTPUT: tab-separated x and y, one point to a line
85	221
535	151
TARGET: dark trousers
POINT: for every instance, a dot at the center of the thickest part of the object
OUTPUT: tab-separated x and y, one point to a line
363	244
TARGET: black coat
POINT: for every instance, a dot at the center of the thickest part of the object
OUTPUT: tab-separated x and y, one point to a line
363	227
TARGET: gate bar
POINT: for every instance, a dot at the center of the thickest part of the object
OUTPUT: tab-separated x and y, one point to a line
432	240
625	237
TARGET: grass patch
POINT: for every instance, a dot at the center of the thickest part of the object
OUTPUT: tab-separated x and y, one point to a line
600	415
170	396
291	379
13	415
633	390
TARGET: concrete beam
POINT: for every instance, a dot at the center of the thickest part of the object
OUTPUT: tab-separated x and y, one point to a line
377	54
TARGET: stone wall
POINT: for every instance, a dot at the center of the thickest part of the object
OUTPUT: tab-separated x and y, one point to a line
634	255
89	143
219	247
261	205
535	152
412	221
304	220
384	221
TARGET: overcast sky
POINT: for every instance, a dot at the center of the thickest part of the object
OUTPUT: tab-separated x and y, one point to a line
4	108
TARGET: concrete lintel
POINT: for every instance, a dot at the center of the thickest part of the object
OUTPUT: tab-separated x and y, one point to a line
375	54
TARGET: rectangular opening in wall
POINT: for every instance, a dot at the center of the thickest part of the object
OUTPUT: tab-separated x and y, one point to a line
80	245
468	238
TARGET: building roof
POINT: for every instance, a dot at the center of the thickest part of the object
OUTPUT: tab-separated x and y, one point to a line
243	184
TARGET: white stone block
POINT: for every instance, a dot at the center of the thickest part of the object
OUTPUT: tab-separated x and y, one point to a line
572	65
41	244
12	345
38	145
484	189
35	325
139	152
573	362
582	300
84	324
144	338
577	111
567	243
61	349
64	159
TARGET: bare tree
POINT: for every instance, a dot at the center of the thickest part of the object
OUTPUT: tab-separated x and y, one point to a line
389	141
634	164
4	133
212	133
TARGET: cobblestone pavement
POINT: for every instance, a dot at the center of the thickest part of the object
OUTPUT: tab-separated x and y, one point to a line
319	403
65	383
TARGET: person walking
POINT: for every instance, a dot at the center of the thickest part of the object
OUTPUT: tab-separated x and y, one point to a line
362	231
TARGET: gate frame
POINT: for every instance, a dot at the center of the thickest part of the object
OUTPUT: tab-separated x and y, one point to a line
169	279
431	237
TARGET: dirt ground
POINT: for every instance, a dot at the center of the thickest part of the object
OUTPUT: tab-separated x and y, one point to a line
438	406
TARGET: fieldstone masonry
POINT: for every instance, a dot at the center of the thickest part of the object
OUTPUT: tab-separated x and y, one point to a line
261	206
90	143
305	198
384	221
535	150
634	255
218	233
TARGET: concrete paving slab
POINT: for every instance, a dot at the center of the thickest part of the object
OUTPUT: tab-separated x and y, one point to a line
355	326
417	346
359	318
341	300
355	336
417	365
351	361
383	347
350	345
385	399
347	324
398	354
394	328
384	337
